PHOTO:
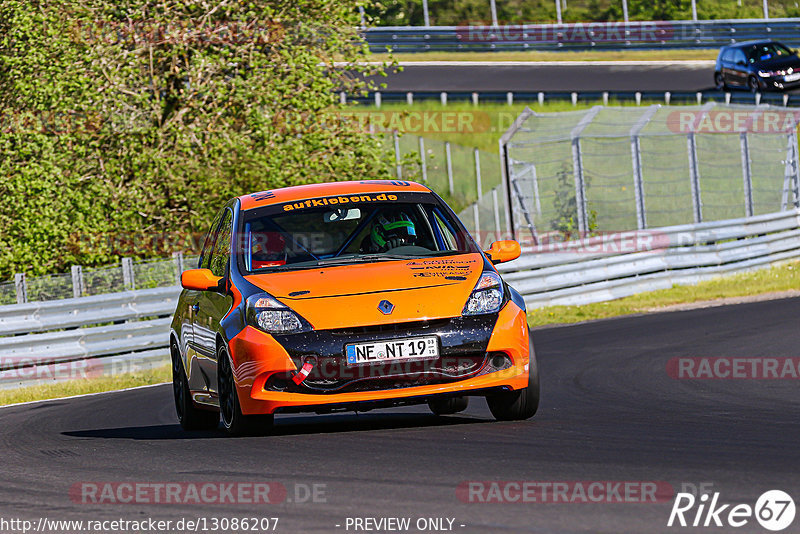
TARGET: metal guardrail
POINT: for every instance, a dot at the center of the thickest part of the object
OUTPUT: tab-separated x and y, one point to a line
582	35
87	336
604	268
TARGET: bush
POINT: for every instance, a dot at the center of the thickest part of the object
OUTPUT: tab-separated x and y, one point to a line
137	118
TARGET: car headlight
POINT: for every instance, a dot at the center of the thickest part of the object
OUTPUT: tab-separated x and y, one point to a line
268	314
487	297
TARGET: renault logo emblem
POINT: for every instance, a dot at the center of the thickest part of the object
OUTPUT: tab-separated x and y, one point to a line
386	307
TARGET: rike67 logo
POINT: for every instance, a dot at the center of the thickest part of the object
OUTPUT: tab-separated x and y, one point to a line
774	510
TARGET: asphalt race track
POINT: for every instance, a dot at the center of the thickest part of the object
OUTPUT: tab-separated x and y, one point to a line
689	76
609	412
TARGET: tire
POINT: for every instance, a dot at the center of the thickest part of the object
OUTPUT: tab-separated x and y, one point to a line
520	404
449	405
189	416
752	84
233	420
719	82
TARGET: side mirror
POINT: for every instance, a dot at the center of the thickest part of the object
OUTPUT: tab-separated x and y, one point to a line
200	280
502	251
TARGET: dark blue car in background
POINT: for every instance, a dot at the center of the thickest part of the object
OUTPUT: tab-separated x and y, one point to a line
757	65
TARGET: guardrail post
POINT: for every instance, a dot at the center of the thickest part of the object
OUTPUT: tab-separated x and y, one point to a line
478	184
127	274
540	98
21	287
694	173
409	98
746	174
605	98
667	97
449	159
178	259
422	159
398	166
443	98
510	98
77	281
377	99
342	98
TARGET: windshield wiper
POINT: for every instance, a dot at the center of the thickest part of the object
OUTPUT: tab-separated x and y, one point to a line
365	258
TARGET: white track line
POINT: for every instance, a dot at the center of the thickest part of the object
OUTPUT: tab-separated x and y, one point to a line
82	395
637	63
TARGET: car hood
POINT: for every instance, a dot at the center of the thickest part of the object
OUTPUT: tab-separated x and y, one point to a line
779	64
348	296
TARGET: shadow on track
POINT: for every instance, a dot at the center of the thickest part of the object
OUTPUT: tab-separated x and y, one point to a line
287	426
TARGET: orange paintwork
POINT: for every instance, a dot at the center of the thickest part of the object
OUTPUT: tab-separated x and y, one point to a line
256	355
502	251
349	295
199	279
304	192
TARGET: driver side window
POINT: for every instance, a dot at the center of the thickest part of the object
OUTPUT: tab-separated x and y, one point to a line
222	246
208	244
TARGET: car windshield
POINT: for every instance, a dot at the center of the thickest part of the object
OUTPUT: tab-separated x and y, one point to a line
767	52
304	235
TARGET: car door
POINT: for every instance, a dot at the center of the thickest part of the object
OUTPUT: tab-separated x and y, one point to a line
739	72
212	306
726	65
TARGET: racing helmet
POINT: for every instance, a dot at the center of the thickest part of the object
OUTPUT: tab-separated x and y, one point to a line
391	231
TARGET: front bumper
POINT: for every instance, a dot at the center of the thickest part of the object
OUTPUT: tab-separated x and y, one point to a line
471	353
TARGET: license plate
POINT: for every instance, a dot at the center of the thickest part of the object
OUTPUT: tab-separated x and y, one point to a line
792	77
397	349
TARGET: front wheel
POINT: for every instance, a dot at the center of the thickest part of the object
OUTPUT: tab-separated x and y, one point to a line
719	82
522	403
189	416
449	405
234	421
752	84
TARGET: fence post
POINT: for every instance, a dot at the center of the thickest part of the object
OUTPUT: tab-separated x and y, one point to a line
77	281
496	205
636	158
425	16
577	169
580	187
476	216
423	161
398	166
178	259
790	178
493	9
449	159
21	287
694	173
127	274
478	172
746	174
342	98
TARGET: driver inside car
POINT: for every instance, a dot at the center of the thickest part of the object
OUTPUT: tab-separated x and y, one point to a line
390	230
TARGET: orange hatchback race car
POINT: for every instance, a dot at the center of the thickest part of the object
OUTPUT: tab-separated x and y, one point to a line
346	296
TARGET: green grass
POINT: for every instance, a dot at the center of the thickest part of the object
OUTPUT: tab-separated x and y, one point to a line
589	55
81	387
779	278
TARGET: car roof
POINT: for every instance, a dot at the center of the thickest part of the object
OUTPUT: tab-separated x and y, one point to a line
744	44
328	189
